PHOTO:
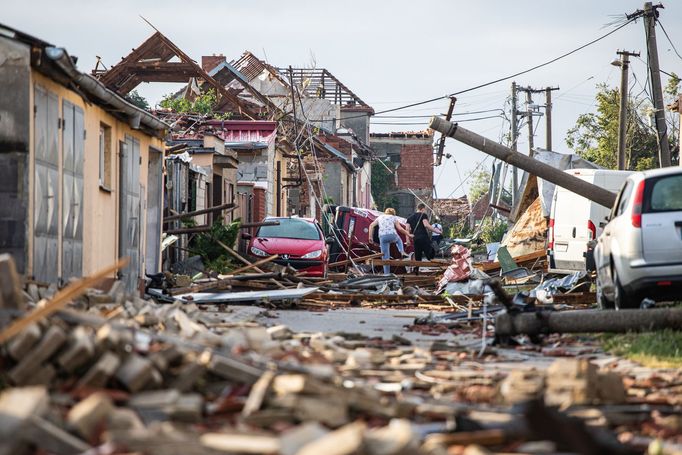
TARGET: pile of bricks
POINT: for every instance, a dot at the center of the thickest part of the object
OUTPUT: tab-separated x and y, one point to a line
115	374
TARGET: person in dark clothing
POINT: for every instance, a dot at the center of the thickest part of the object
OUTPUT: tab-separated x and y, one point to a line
422	229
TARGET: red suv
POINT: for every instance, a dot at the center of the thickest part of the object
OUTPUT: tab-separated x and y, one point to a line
299	242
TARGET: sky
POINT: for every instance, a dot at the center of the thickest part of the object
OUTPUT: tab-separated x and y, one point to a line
389	52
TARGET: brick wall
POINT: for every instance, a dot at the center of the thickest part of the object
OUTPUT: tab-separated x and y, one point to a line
208	62
258	204
416	166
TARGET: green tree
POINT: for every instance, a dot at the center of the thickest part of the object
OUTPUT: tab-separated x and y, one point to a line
480	183
203	104
595	135
671	93
383	184
138	100
492	230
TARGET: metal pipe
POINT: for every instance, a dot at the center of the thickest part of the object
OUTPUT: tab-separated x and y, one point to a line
94	87
528	164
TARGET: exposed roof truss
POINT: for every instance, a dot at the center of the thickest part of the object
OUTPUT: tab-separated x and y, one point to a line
158	59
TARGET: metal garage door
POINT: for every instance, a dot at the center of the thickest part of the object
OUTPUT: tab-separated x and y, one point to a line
129	211
73	143
154	201
46	181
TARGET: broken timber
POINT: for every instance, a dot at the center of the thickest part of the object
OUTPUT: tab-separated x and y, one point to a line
229	207
530	165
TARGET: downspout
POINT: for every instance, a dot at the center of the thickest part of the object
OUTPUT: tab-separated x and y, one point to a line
94	87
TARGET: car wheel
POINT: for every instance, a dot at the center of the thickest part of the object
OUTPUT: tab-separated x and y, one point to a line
620	299
602	302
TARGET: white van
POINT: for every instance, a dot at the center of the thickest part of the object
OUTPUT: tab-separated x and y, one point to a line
575	220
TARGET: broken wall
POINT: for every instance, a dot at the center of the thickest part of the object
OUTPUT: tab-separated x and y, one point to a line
15	120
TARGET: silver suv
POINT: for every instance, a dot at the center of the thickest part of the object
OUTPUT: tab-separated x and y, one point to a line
639	253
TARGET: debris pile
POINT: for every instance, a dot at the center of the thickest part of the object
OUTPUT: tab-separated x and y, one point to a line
116	374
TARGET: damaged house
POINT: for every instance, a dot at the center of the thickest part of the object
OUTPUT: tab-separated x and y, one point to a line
81	168
409	156
334	163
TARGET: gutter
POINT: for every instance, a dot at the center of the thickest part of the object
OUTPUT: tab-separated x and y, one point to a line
92	86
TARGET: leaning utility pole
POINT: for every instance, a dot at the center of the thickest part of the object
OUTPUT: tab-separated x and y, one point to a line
622	116
441	142
650	14
528	164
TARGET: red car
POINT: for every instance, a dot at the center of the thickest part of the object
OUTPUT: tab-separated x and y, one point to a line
299	242
351	227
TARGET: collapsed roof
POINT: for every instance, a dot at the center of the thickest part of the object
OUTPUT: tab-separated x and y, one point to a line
158	59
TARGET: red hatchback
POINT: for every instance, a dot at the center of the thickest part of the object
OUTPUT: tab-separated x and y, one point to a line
299	242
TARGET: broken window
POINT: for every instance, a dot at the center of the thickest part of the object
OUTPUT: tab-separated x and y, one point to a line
104	156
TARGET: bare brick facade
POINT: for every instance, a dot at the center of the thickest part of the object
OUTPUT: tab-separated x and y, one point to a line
416	167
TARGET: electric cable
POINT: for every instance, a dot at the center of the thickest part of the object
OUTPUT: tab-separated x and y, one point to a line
668	37
502	79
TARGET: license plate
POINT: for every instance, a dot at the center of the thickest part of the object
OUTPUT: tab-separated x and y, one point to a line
561	247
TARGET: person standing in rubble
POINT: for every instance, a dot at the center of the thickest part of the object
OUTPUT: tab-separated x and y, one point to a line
389	226
422	229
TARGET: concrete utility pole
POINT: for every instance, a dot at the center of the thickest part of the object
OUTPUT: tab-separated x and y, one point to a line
514	139
548	117
650	13
529	113
528	164
623	114
548	113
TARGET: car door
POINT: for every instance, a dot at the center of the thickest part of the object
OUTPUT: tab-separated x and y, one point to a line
662	220
609	234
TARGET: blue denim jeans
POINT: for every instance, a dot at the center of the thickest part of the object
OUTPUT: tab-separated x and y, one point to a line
385	244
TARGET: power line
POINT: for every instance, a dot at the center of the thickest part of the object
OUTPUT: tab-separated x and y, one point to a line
505	78
461	183
425	123
429	116
669	40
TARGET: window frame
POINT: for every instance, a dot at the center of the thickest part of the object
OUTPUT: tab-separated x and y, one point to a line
105	158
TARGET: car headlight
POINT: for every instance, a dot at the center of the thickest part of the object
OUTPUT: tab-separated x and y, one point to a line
312	254
258	251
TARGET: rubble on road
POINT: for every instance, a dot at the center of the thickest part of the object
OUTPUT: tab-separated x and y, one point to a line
116	374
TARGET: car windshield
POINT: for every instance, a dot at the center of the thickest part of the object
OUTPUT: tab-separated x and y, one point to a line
666	194
290	228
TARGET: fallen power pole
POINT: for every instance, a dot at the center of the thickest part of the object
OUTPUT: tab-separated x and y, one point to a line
528	164
586	321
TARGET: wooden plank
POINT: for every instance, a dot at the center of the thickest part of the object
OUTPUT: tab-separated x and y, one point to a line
358	259
229	207
246	262
486	266
60	300
223	281
409	263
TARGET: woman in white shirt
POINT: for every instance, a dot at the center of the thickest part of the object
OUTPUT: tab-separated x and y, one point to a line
389	226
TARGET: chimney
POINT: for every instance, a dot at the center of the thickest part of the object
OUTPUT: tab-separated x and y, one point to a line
208	62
